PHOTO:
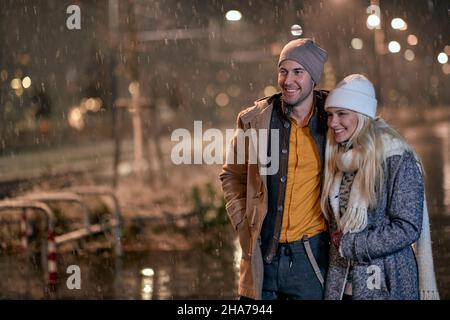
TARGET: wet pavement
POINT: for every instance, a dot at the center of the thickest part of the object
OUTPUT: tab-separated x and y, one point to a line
210	270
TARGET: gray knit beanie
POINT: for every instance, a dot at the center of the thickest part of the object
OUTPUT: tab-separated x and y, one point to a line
308	54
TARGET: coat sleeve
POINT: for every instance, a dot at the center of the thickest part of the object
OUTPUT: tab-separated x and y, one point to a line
404	213
234	178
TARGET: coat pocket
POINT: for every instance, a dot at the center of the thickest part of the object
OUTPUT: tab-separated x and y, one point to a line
370	282
257	205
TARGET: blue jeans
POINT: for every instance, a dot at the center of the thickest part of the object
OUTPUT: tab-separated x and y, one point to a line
290	275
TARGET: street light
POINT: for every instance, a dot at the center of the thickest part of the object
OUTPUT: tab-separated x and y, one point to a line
233	15
399	24
357	43
16	83
412	40
296	30
26	82
447	50
442	58
446	68
373	21
394	47
409	55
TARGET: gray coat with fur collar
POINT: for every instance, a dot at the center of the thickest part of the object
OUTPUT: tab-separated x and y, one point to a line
384	265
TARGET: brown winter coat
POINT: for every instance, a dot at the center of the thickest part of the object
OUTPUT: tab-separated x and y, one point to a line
245	192
245	188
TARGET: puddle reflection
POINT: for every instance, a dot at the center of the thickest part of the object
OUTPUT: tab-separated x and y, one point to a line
147	275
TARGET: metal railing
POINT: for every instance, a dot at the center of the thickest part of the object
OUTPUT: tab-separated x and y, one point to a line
115	223
40	201
48	253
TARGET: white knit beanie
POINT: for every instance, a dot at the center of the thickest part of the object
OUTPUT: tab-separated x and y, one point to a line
355	93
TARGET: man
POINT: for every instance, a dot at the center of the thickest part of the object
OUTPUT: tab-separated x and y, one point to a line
281	229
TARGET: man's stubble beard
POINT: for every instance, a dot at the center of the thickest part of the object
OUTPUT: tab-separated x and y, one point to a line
290	107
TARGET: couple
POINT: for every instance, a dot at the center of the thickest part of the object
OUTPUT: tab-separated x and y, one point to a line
339	218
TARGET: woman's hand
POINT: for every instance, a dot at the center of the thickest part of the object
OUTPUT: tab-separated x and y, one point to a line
336	237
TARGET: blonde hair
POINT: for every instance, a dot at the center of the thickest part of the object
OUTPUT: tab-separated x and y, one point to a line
367	141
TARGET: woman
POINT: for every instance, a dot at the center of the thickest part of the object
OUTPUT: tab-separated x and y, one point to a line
373	199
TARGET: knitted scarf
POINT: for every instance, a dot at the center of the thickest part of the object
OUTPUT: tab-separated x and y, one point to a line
355	217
